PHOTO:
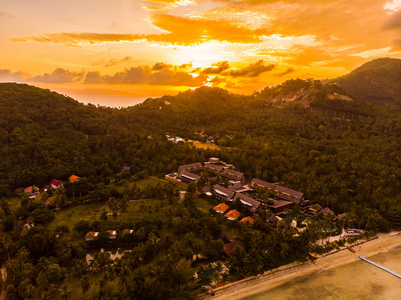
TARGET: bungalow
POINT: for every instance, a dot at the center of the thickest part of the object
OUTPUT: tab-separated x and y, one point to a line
257	182
233	175
127	231
239	188
214	167
206	190
125	168
247	219
252	204
91	235
233	215
222	193
278	206
221	208
327	211
32	191
112	234
74	178
289	195
273	219
195	167
312	210
55	184
351	232
214	160
229	248
187	177
283	192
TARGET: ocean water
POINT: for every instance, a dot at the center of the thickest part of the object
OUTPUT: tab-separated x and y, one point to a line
358	280
110	100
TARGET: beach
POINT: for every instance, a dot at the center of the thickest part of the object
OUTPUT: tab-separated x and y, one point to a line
328	277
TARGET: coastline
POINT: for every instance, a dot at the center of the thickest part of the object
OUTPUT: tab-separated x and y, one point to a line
277	277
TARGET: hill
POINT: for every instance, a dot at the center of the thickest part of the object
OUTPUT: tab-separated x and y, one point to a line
341	153
377	81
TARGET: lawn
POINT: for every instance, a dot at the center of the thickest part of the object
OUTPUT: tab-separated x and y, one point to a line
142	183
201	145
204	204
137	211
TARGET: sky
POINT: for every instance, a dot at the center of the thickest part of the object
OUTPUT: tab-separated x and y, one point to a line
117	52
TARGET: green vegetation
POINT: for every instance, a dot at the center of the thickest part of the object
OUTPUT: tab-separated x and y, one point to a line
342	153
377	81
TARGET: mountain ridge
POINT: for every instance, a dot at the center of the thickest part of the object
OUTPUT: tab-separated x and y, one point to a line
377	81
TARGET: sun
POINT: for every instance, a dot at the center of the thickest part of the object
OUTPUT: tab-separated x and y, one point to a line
201	56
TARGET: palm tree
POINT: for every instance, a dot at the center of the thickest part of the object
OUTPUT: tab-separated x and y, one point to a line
284	250
141	233
154	242
85	283
66	292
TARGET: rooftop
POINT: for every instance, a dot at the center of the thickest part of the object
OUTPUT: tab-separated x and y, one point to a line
233	214
223	191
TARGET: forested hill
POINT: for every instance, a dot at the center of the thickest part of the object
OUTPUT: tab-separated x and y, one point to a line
337	149
377	81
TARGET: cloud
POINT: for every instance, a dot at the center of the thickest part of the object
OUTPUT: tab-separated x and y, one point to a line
9	76
158	5
168	77
159	66
5	15
58	76
253	70
394	22
147	75
288	71
186	66
217	68
221	81
80	38
114	62
177	31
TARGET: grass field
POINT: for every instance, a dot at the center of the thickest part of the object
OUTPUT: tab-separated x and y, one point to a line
204	204
137	211
205	145
142	184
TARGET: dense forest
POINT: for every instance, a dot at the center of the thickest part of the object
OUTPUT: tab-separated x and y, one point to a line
341	151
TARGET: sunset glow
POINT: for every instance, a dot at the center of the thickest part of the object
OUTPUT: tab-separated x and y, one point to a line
133	48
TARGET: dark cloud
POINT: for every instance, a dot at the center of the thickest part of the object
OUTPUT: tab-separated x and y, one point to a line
216	81
217	68
114	62
288	71
394	22
147	75
7	76
159	66
168	77
58	76
253	70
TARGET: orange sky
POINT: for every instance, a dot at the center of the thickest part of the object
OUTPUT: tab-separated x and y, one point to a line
132	49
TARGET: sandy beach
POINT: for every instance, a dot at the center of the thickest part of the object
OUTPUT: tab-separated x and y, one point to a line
285	274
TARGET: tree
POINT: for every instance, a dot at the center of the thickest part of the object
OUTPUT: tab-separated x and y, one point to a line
103	215
42	215
82	227
154	243
66	291
85	283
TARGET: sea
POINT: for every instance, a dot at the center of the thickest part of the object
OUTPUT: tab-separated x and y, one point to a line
357	280
110	100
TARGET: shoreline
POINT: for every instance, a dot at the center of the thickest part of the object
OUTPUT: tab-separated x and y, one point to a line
274	278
